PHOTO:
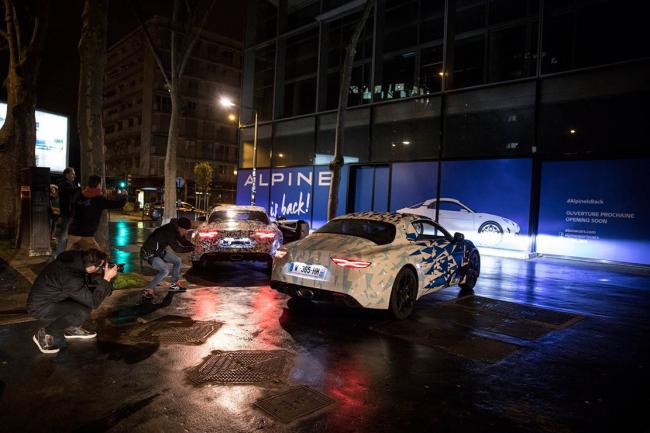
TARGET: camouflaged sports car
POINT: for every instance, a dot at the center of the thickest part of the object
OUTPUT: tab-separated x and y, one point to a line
376	260
235	233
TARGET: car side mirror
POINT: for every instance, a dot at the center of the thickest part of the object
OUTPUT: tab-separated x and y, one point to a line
458	237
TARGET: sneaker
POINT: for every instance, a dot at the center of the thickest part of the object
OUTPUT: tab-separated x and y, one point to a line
45	342
78	333
176	288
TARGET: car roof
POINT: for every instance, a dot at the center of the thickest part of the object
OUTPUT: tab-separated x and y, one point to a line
226	207
389	217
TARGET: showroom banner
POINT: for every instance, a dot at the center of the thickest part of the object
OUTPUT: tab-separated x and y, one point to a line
596	210
486	200
245	183
295	193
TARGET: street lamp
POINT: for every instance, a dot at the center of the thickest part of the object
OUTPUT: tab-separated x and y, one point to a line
228	103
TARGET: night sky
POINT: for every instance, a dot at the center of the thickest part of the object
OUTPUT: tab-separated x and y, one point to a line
59	76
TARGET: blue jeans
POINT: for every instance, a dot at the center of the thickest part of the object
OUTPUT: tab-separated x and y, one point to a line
163	270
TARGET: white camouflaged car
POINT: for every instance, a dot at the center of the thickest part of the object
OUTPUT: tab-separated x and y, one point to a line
376	260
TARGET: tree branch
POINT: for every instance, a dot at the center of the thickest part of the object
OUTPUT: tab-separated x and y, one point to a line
190	46
17	27
11	41
147	35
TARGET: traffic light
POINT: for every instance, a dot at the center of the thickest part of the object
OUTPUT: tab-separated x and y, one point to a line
122	184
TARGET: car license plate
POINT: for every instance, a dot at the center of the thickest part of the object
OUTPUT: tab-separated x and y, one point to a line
315	272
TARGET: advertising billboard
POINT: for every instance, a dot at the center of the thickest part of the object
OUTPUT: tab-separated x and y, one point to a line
295	193
51	139
596	210
486	200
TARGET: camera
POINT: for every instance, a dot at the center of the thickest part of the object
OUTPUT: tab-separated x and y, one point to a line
120	266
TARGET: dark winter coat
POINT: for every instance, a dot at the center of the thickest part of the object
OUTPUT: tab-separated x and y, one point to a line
88	211
165	236
67	191
66	278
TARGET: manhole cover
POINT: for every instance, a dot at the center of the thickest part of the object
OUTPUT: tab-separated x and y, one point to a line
294	403
243	367
174	330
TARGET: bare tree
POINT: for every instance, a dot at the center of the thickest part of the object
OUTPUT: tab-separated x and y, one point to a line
92	61
184	34
344	91
23	37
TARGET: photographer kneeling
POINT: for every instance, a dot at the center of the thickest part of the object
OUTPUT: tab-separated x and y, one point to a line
64	294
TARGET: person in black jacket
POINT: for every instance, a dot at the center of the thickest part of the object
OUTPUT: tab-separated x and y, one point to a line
155	252
67	190
65	292
88	207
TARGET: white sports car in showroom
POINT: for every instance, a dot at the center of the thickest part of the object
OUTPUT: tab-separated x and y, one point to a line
234	233
376	260
458	217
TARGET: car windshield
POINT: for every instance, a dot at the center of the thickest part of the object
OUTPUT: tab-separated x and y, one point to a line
238	215
379	232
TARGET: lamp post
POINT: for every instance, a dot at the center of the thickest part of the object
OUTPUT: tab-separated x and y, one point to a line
228	103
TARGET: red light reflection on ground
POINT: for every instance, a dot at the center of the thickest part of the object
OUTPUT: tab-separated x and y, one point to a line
348	386
206	305
265	313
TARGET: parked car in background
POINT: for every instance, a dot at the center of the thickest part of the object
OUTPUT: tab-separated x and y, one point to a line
485	228
236	233
183	209
376	260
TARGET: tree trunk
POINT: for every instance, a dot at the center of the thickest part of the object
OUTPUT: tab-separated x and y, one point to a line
170	157
346	73
18	133
92	61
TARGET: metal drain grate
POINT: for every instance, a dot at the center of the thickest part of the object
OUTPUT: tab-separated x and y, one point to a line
243	367
174	330
294	403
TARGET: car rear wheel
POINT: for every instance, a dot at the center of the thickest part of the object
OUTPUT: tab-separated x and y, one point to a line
402	297
490	233
472	271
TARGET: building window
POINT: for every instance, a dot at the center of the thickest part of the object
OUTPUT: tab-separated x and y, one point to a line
469	62
406	130
293	142
266	19
432	20
398	76
302	13
401	25
513	53
431	70
356	137
299	97
490	122
263	82
263	147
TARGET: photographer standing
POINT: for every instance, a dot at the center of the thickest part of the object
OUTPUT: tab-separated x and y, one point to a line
67	191
64	294
87	211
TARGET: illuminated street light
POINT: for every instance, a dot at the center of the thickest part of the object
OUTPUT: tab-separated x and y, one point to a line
232	117
406	142
226	102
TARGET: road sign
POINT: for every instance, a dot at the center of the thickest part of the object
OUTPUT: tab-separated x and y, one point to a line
180	182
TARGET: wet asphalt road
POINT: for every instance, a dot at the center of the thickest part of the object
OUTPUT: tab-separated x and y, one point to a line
453	366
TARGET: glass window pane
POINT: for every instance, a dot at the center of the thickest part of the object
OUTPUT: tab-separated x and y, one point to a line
430	70
300	97
301	55
470	15
264	73
400	27
293	143
468	62
407	130
512	53
398	74
355	137
490	122
509	10
302	14
263	147
599	112
267	15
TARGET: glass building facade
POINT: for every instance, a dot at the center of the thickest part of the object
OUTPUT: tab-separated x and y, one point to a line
457	78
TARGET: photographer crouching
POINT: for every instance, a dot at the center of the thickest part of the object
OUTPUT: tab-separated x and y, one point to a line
64	294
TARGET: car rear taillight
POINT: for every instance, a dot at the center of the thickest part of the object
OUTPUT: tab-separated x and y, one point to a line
280	253
208	235
350	263
265	235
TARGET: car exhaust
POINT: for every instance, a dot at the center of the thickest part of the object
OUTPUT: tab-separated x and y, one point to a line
305	293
